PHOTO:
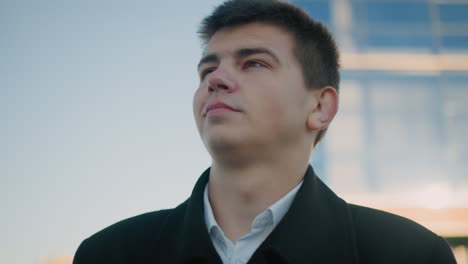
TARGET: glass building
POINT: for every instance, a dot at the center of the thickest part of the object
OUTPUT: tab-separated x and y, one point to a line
399	141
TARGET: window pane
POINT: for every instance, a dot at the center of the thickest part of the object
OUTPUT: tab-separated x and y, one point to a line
319	10
455	42
453	12
389	12
399	42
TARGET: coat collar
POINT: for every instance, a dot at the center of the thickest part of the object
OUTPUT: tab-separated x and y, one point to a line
316	229
196	245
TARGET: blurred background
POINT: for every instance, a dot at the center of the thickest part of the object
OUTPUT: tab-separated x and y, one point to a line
96	115
399	142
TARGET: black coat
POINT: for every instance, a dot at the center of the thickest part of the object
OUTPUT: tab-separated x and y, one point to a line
318	228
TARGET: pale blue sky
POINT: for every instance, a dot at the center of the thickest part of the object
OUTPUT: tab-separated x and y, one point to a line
96	117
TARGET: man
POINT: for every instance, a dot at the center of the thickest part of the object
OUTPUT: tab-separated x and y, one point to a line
268	91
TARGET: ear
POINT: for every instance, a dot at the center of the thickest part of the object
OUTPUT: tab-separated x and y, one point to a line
324	109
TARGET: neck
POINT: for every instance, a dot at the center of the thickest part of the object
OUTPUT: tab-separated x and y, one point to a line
238	194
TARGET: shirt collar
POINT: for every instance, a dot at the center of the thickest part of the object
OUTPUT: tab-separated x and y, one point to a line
210	221
276	210
317	219
280	207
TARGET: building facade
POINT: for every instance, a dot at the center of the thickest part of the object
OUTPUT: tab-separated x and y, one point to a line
399	140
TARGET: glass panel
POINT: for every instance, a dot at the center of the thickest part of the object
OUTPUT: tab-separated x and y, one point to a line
395	11
402	97
346	134
319	10
347	176
455	42
392	41
350	96
453	12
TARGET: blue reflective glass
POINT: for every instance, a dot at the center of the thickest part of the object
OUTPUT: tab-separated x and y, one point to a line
388	12
455	42
319	10
456	78
453	12
400	41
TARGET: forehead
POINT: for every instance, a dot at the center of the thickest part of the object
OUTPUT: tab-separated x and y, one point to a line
251	35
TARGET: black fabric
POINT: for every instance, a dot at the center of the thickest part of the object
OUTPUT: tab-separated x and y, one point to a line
318	228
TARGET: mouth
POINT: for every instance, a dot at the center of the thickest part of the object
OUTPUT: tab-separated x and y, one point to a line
219	107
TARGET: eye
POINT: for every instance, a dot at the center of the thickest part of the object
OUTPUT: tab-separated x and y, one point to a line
254	63
205	72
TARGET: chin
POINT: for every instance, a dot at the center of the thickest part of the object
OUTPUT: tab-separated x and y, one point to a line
228	152
220	143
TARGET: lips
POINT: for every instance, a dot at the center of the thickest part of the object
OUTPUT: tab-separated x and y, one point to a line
219	105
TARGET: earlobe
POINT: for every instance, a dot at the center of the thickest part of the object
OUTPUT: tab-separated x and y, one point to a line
324	110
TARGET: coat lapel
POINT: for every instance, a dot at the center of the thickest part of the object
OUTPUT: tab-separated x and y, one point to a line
195	242
316	229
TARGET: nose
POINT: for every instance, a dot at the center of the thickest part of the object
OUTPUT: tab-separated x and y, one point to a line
220	80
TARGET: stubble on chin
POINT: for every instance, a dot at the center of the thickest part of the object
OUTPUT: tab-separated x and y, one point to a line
227	151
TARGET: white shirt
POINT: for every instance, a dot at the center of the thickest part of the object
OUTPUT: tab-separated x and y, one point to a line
241	251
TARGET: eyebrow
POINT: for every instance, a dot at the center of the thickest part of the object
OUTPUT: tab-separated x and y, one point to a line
240	53
245	52
208	59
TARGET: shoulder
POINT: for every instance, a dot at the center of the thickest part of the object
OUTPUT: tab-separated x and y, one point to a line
131	239
370	220
384	236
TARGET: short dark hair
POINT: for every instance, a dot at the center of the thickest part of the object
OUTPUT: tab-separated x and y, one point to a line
315	47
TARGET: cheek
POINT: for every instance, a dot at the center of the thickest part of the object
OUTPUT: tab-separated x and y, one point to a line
268	110
285	105
198	101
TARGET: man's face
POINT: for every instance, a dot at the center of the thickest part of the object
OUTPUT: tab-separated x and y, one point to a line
251	89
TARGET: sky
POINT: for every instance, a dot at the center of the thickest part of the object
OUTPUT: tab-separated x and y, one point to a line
96	117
